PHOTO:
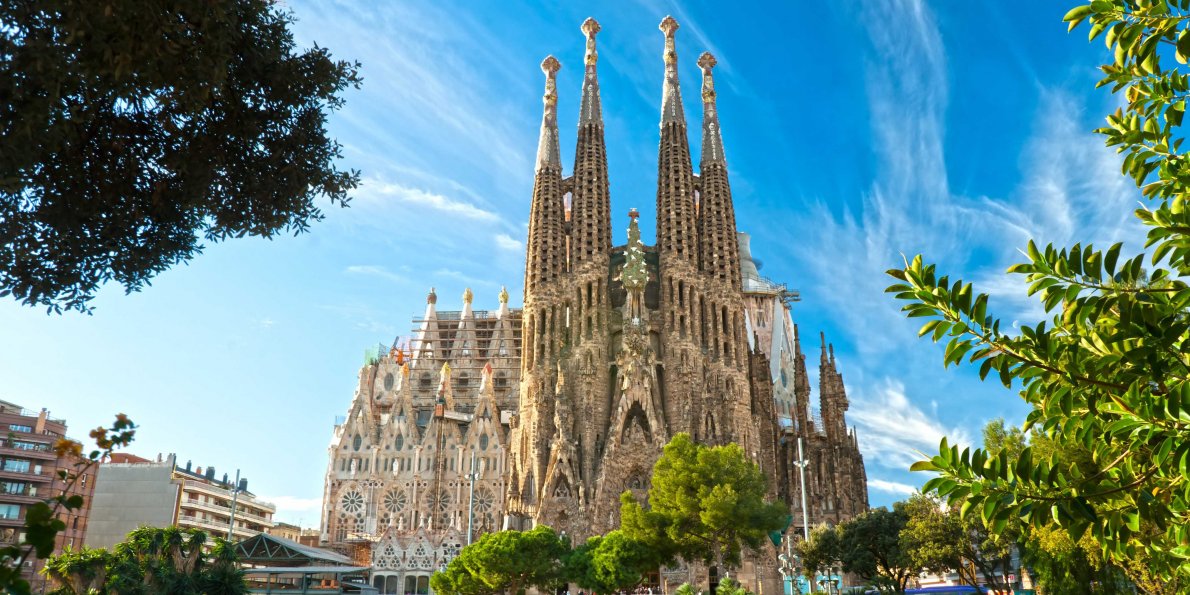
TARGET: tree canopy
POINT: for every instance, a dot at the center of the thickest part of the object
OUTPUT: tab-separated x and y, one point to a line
610	563
1110	369
510	561
705	503
870	546
151	561
131	132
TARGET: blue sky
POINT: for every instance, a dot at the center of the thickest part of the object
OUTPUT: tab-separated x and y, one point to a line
855	132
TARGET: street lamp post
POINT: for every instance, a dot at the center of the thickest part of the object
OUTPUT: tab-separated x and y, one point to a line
471	477
801	463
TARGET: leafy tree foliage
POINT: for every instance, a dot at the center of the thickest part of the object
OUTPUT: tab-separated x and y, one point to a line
706	503
939	540
1059	565
820	552
130	132
870	546
610	563
151	561
510	561
730	586
1109	371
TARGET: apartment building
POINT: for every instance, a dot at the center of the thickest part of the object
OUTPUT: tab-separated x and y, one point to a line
29	473
132	492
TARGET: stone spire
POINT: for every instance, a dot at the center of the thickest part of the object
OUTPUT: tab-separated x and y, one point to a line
548	154
801	387
832	394
590	110
719	249
671	94
590	213
424	339
465	344
676	225
545	249
712	140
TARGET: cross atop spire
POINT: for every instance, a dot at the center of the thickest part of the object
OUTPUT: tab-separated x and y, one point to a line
712	138
548	154
671	95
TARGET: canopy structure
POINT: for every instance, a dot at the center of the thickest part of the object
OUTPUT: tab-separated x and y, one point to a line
272	551
275	565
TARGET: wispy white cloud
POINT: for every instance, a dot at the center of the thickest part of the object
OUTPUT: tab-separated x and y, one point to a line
892	487
507	242
1070	190
893	431
372	270
373	191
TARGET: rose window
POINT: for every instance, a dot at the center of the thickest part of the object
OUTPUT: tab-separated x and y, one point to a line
394	501
484	500
353	502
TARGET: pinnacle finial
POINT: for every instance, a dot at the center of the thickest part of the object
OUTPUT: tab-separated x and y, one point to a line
550	66
706	62
503	294
590	28
468	296
668	26
432	298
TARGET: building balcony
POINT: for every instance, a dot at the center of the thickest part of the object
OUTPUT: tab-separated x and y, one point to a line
243	511
46	475
41	452
214	527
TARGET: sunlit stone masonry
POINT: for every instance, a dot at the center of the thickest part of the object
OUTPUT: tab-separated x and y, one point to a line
545	415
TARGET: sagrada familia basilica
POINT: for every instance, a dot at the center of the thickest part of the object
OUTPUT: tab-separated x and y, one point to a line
510	418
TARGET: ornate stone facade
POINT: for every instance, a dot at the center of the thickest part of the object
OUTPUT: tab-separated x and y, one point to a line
626	346
422	420
617	349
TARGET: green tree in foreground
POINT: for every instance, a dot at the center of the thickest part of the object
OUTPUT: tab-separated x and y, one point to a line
870	546
940	540
151	561
1058	564
610	563
511	561
820	552
705	504
1110	370
132	131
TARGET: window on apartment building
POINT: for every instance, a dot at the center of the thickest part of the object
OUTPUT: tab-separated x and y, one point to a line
11	511
13	487
16	465
23	445
20	428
